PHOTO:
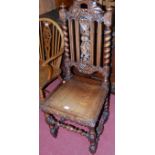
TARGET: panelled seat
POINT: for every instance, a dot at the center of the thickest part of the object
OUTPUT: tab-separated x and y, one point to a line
80	98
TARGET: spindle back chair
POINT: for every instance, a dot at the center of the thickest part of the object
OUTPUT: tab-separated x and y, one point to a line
83	100
51	48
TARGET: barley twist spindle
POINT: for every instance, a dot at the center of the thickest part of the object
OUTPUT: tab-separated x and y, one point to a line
107	45
106	72
62	14
64	27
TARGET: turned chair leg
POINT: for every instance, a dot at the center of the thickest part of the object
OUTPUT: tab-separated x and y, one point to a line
93	140
53	126
103	119
54	130
106	110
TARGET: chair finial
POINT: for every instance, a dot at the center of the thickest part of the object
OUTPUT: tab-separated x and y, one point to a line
62	6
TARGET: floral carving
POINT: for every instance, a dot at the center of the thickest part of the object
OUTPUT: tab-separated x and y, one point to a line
92	13
85	38
87	68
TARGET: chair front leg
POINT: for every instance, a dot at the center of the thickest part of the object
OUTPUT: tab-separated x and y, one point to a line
93	140
54	127
104	118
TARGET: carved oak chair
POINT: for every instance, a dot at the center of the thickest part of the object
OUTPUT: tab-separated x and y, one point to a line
83	99
51	48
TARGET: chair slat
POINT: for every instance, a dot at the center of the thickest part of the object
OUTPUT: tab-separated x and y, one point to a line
92	43
47	39
40	47
70	22
77	35
41	41
55	45
56	41
58	44
40	52
58	48
53	39
99	40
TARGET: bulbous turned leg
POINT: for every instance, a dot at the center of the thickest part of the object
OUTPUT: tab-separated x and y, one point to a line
103	119
53	126
93	141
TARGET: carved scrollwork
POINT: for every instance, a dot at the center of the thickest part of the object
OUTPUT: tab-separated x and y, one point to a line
86	68
94	8
92	13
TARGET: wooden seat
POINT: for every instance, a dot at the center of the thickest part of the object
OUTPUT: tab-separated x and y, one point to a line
80	98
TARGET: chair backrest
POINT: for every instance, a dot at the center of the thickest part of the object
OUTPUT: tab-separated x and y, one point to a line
89	31
51	41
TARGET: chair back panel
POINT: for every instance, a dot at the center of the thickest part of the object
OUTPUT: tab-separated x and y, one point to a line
79	48
51	41
86	32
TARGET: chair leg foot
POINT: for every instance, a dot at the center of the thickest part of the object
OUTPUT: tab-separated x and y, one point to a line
100	126
92	148
93	141
53	125
54	131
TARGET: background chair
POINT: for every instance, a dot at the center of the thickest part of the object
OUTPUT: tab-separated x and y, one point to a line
83	99
51	48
